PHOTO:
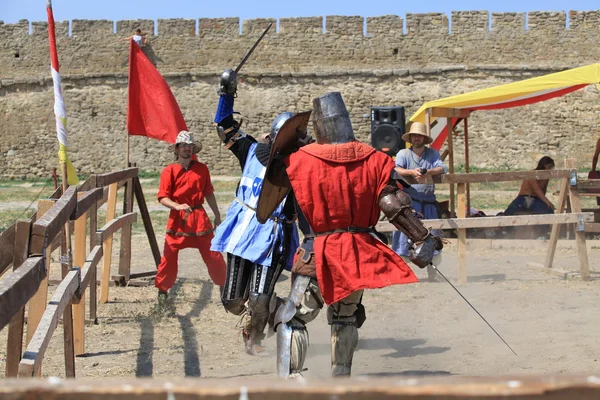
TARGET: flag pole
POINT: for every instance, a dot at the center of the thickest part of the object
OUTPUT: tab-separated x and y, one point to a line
127	152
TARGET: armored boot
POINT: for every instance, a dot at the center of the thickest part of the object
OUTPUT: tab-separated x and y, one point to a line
344	339
298	348
258	307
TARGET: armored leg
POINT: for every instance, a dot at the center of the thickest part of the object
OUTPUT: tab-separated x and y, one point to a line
302	306
235	289
345	317
261	292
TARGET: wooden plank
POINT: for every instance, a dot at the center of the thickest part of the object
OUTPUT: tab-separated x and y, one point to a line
116	177
79	253
107	244
91	262
493	222
7	246
141	201
450	165
37	304
562	202
125	244
14	343
56	194
93	290
142	274
45	229
592	227
66	266
438	112
85	201
467	167
588	184
32	358
18	286
555	386
462	234
482	177
584	267
108	230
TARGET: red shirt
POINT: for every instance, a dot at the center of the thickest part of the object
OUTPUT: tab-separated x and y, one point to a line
187	187
338	186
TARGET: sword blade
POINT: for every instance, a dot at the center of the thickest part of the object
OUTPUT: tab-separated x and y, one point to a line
471	305
252	49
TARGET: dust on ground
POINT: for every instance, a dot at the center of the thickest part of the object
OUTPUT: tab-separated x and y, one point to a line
422	329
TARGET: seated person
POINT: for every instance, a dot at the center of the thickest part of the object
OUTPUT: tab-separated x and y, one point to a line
532	196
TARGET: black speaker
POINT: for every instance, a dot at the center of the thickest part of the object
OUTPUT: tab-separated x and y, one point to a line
387	128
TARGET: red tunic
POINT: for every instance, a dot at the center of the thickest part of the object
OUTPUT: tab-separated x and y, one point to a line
338	186
189	187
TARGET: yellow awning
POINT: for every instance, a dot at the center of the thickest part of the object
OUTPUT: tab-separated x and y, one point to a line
510	95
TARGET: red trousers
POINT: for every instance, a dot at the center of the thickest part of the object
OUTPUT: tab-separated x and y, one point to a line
167	270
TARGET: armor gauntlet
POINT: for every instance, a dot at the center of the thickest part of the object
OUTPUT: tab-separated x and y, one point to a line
397	206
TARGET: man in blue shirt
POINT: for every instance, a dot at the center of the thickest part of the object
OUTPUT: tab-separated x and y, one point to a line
418	161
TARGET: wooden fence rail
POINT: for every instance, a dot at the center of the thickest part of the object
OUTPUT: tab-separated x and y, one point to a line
28	246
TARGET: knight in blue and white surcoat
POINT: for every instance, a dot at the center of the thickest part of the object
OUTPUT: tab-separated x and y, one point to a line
256	253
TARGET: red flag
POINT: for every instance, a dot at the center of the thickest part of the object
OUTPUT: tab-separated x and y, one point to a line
151	107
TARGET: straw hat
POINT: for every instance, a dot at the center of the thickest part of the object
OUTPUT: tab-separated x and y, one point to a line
417	128
187	138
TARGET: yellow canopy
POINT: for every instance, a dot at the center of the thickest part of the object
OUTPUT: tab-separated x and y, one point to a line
510	95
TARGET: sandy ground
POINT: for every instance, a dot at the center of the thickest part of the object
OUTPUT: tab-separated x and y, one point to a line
423	328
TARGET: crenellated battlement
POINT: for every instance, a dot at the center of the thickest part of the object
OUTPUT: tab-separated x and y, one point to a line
389	59
313	44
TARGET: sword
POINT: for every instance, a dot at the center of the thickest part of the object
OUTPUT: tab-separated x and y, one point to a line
470	305
252	49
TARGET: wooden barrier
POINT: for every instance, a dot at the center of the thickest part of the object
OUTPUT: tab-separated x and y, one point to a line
555	387
569	190
30	243
32	358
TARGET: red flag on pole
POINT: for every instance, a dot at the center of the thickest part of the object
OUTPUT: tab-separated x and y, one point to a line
152	110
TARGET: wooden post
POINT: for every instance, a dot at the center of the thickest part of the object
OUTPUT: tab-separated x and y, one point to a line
107	245
431	275
14	343
93	290
79	254
37	304
66	266
467	167
125	252
462	235
127	153
141	201
451	165
584	267
562	200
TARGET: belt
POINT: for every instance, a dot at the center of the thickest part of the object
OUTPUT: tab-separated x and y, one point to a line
272	218
187	214
350	229
172	232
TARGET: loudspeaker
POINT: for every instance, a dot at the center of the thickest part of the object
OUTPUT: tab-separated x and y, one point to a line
387	128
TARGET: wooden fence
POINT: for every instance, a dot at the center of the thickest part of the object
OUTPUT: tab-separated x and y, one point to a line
29	244
569	189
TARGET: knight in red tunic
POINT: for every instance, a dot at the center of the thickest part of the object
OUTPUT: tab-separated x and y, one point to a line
341	186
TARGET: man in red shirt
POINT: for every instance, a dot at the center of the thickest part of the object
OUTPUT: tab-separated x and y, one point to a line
184	186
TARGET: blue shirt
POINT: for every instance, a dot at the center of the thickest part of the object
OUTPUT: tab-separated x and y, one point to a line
407	159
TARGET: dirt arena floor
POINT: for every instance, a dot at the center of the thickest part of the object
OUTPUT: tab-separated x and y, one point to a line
421	329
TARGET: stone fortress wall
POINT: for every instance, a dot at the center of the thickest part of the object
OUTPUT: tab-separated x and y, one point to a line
380	61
